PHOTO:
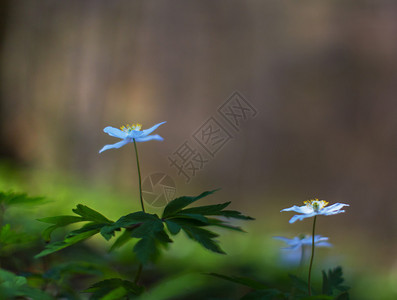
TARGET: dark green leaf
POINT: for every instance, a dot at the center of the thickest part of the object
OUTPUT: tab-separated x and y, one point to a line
147	228
71	239
129	220
10	198
173	227
204	237
59	221
121	240
112	289
146	250
333	280
90	215
177	204
207	209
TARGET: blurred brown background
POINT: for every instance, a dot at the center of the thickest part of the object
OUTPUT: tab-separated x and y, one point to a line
322	75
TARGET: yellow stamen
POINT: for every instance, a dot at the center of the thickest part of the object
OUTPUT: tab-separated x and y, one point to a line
133	127
316	204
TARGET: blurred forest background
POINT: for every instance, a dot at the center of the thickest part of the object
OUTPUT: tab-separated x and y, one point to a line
321	74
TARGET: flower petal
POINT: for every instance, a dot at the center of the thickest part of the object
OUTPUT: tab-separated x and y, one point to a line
299	209
116	145
115	132
149	137
333	207
301	217
150	130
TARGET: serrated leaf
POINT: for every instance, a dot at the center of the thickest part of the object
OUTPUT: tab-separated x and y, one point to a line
178	204
222	224
68	241
113	288
207	209
90	215
59	221
242	280
203	237
121	240
146	250
333	280
10	198
127	221
173	227
147	228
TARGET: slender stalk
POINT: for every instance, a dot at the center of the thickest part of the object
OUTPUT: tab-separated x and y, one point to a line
311	259
140	266
139	176
138	274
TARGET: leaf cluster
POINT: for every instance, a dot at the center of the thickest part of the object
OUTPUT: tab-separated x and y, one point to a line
151	232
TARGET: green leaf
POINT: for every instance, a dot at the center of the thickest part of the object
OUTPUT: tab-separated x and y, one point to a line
207	209
178	204
10	198
71	239
147	228
146	250
203	237
242	280
90	215
114	288
59	221
15	287
121	240
173	227
127	221
333	280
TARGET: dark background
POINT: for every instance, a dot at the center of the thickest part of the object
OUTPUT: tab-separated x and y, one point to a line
321	74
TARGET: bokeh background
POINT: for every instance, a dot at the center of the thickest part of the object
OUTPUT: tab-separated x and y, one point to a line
321	74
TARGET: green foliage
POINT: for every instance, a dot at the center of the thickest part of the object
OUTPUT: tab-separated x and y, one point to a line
12	286
114	288
332	281
147	228
11	198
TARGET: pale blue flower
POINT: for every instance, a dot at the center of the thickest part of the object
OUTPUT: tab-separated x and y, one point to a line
313	208
129	133
304	240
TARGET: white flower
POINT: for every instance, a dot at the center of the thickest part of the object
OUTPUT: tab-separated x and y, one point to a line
130	133
313	208
304	240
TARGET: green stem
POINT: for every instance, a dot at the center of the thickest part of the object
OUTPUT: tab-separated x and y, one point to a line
311	259
140	266
138	274
139	176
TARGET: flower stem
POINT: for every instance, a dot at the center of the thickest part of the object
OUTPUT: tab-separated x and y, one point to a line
139	176
311	259
140	266
138	273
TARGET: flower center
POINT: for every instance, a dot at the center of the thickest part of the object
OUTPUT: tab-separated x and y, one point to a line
316	204
128	128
